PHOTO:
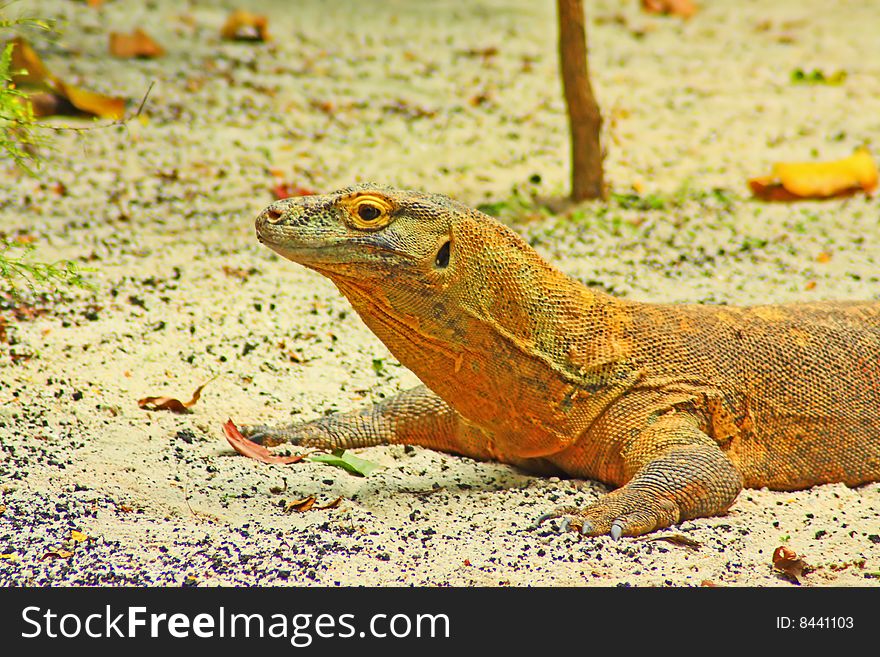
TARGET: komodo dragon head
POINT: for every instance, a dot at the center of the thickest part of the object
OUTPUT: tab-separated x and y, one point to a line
458	298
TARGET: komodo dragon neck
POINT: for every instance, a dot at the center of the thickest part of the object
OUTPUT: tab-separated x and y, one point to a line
484	331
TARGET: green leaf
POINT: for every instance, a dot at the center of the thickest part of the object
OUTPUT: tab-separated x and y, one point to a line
347	461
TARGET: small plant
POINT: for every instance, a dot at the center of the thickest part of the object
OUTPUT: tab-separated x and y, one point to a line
18	270
19	141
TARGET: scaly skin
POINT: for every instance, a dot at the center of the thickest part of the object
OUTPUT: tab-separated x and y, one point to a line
679	406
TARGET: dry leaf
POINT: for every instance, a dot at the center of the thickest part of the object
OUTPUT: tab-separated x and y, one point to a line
329	505
802	180
682	8
286	190
57	554
171	403
107	107
49	95
252	450
308	504
136	44
79	537
823	257
675	539
27	67
238	272
708	583
2	509
244	26
300	506
790	564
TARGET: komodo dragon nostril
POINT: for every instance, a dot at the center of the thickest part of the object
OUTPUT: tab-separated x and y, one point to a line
273	215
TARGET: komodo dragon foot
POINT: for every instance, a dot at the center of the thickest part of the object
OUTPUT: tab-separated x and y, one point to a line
680	483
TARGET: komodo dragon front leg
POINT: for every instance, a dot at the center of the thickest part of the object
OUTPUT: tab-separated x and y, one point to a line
412	417
673	472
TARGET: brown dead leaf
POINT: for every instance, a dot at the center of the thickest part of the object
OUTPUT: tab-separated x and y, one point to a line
252	450
49	95
708	583
683	8
90	102
675	539
2	509
327	107
242	25
238	272
171	403
56	554
329	505
27	67
300	506
485	53
308	504
824	257
287	190
136	44
787	561
792	181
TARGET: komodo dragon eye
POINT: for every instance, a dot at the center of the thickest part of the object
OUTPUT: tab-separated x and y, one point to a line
369	212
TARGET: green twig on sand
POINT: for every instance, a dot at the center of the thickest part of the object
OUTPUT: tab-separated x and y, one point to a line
17	270
19	140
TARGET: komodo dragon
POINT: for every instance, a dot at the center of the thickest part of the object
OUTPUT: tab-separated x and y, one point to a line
680	406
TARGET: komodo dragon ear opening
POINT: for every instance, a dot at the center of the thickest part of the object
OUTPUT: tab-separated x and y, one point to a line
442	259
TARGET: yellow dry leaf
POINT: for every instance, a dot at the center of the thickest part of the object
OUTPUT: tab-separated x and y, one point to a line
106	107
27	67
242	25
829	178
52	95
791	181
683	8
136	44
79	537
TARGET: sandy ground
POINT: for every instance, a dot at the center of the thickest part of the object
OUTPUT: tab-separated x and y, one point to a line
408	94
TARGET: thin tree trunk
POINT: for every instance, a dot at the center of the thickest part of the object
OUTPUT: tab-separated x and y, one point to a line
584	119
